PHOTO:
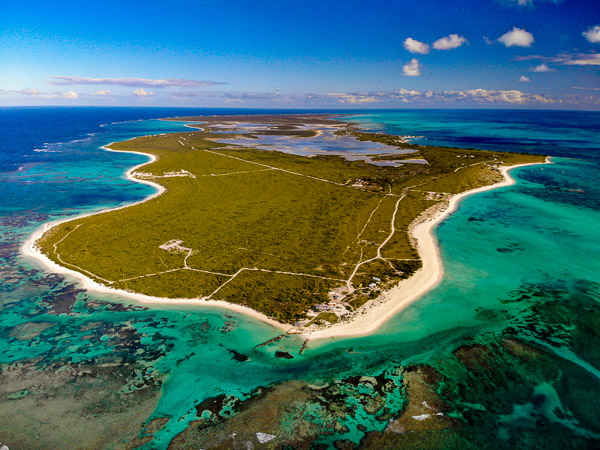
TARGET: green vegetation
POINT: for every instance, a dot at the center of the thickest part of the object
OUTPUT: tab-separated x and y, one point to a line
285	297
328	317
269	230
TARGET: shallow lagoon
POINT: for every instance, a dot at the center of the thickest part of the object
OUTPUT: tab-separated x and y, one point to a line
325	143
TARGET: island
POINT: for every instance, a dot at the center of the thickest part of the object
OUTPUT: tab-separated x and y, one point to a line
303	221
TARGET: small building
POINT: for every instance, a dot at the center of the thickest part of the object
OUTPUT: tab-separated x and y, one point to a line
323	307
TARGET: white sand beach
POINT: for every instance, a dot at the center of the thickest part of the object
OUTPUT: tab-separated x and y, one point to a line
378	311
29	249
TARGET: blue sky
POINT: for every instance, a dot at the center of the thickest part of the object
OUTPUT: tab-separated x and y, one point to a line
302	54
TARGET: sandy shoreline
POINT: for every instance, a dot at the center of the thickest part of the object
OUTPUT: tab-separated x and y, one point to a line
370	317
29	250
376	312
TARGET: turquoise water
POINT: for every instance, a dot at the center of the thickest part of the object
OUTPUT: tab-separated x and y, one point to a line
509	255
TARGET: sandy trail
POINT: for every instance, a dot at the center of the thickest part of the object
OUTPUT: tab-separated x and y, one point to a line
29	249
376	312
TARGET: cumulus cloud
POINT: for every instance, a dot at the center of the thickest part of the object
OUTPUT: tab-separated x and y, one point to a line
412	69
372	97
415	46
354	98
542	68
449	42
488	41
101	92
543	100
28	92
488	96
131	82
517	37
400	96
592	34
142	93
445	43
36	93
513	97
406	92
524	79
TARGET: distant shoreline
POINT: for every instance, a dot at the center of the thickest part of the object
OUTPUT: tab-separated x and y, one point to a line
368	317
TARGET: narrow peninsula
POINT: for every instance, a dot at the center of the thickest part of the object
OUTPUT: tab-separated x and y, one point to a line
302	220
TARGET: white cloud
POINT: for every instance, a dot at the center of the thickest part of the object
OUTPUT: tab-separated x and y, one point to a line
480	96
542	68
415	46
517	37
566	59
354	98
36	93
488	41
592	34
543	100
402	94
28	91
143	93
592	59
101	92
449	42
403	91
412	69
524	79
486	96
132	82
513	97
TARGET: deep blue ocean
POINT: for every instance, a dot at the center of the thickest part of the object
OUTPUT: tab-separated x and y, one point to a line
508	254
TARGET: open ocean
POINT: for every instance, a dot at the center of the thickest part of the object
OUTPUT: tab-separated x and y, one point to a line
520	262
